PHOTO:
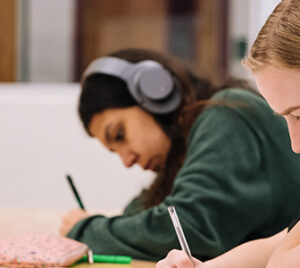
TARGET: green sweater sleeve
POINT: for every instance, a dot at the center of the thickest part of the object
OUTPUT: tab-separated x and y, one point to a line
218	196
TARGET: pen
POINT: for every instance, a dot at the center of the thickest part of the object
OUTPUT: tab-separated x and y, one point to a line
108	259
179	232
70	181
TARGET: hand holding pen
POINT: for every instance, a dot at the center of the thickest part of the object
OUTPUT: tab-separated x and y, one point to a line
75	215
179	232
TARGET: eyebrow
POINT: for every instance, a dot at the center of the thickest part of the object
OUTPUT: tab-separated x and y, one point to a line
289	110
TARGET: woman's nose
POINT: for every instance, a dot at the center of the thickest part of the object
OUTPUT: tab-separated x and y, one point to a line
129	158
295	141
294	131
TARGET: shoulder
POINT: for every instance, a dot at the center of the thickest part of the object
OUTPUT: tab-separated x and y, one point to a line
244	104
234	94
234	109
228	105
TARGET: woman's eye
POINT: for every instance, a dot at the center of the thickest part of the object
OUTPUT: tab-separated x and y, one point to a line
119	135
296	117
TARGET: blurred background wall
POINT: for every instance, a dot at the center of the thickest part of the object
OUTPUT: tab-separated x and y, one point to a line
46	44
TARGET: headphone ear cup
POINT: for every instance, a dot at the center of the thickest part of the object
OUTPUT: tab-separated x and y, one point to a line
155	84
154	88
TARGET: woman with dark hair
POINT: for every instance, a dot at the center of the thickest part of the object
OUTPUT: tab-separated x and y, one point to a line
219	153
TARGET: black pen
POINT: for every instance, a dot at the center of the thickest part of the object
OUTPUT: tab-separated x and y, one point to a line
70	181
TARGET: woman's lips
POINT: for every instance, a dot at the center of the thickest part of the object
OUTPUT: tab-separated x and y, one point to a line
151	165
147	166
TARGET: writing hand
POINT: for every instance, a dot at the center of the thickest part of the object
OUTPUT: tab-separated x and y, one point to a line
70	219
179	259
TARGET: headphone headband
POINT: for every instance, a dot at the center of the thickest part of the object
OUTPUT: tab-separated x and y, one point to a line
108	65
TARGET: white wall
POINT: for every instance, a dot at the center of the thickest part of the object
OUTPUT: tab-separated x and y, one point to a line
41	139
245	21
259	11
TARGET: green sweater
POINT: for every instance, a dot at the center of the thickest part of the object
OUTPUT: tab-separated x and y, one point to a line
239	181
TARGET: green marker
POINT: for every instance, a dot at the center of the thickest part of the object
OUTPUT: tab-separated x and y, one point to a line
108	259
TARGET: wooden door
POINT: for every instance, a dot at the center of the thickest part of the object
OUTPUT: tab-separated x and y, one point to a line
105	26
192	30
8	11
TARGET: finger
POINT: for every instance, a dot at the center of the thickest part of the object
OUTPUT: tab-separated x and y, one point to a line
162	264
62	231
176	259
66	220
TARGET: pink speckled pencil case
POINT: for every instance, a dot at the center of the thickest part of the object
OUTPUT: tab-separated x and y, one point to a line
40	250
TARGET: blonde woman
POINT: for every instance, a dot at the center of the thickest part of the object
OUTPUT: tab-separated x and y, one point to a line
274	60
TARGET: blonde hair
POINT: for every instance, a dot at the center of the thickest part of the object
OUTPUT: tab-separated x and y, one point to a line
278	42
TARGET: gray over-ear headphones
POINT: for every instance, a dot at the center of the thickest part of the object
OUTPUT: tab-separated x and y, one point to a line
149	83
